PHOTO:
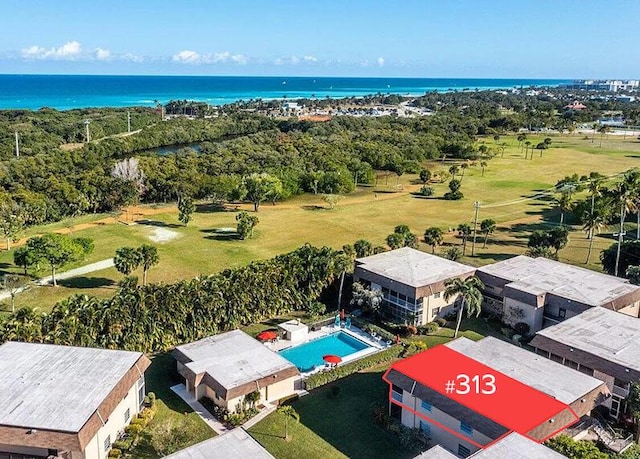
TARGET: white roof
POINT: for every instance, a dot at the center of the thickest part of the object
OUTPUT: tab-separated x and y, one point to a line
608	334
513	446
233	358
541	275
44	386
293	325
413	267
558	381
236	444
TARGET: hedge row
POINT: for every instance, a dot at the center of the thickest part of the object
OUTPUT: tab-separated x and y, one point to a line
320	379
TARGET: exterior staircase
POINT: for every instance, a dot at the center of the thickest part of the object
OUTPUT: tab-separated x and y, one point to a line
609	437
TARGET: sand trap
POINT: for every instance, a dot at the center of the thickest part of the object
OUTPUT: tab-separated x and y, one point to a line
162	235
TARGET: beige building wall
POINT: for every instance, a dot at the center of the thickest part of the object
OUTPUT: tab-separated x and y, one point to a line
631	310
438	435
281	389
115	423
435	306
530	315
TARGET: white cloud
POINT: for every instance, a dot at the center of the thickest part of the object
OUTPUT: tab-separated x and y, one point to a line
380	61
193	57
103	54
131	58
187	57
69	51
310	59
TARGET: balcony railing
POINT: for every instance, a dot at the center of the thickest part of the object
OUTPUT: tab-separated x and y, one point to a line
620	391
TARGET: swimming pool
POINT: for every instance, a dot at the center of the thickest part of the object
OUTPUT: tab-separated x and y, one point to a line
309	355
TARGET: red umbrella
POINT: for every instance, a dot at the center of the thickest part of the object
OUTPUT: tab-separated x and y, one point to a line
332	359
342	314
267	335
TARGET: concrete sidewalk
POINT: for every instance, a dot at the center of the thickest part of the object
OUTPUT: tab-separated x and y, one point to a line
207	417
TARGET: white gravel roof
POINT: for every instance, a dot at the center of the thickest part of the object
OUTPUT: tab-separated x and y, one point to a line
233	358
413	267
236	444
541	275
554	379
45	386
608	334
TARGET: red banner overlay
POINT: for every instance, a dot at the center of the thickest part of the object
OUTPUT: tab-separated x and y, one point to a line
494	395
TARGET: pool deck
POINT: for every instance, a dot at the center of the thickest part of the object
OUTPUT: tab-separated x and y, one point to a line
375	344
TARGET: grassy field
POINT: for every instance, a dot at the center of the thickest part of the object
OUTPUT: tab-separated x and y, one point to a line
343	426
506	193
171	408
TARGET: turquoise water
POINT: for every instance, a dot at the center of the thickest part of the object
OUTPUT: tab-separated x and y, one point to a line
309	355
65	92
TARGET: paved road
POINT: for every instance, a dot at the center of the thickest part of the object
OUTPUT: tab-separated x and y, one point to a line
97	266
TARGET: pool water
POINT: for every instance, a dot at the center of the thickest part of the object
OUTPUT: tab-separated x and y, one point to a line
309	355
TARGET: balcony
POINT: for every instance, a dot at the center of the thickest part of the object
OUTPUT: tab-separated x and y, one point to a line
620	391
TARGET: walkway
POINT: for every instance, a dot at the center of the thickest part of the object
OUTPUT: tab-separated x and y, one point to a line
212	422
97	266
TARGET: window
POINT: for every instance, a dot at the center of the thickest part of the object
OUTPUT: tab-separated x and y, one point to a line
466	428
127	415
436	311
425	406
141	392
107	443
437	295
425	428
463	451
396	393
562	313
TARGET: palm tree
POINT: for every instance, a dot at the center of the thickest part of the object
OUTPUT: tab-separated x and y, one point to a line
433	236
148	258
603	129
563	202
595	187
487	226
453	170
483	165
526	152
469	292
626	194
289	412
464	231
594	221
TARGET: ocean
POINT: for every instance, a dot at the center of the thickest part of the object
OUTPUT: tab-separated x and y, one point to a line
65	92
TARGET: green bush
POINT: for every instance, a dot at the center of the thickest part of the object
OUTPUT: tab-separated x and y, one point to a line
134	429
441	322
320	379
369	327
115	453
428	328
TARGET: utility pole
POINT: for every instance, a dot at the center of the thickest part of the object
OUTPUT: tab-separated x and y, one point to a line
620	239
476	205
86	123
128	121
17	146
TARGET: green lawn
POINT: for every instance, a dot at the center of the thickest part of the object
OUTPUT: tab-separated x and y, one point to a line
332	427
369	213
159	378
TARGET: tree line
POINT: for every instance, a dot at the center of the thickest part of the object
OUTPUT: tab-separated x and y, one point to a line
158	316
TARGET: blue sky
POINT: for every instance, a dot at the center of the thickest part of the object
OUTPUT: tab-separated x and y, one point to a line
425	38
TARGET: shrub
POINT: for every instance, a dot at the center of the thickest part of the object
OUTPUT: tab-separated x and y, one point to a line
427	191
453	195
441	322
134	429
411	330
430	327
137	421
320	379
115	453
415	346
522	328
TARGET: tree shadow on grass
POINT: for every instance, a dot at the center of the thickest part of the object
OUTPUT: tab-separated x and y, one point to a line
312	207
221	234
86	282
211	208
158	223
